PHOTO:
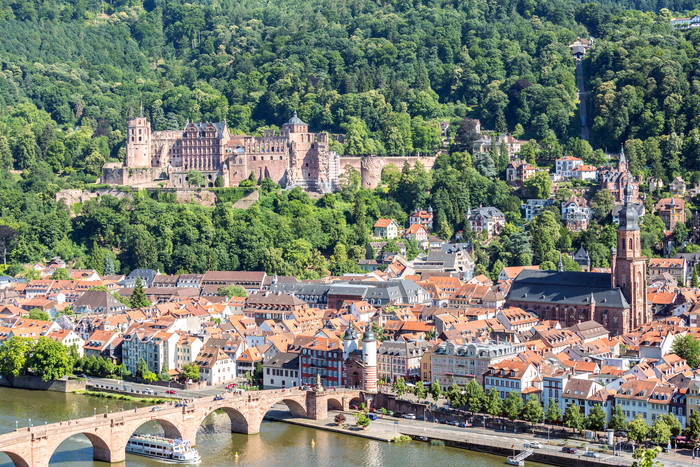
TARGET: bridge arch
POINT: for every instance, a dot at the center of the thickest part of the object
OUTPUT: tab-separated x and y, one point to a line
101	449
170	430
16	459
335	403
356	401
239	423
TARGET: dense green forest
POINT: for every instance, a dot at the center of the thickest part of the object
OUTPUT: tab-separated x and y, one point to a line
72	72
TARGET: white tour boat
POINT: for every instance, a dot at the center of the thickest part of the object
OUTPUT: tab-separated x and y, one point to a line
166	449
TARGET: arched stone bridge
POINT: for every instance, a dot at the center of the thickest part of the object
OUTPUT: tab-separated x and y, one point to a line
109	433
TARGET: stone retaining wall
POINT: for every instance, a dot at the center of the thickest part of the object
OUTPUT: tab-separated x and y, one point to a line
35	382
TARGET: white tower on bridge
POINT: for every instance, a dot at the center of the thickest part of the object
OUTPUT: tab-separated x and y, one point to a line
369	357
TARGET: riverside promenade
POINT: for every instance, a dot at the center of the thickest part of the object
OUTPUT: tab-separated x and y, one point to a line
478	439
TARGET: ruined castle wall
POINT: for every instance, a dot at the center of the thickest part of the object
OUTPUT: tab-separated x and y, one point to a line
132	176
370	167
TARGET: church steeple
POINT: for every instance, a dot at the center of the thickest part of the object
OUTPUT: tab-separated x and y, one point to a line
629	266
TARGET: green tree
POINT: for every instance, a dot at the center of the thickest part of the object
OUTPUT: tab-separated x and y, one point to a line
13	356
164	374
399	386
603	203
687	348
618	421
660	432
231	291
435	390
693	425
573	418
38	313
673	424
532	411
361	419
50	359
539	186
138	297
109	265
474	396
637	429
645	457
513	405
141	368
420	391
258	373
553	411
149	377
494	404
378	332
597	418
454	395
195	178
694	279
60	274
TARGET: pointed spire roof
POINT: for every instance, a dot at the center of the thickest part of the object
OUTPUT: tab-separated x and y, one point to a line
560	266
581	256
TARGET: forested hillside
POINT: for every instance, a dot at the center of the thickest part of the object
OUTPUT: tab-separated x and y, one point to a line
384	73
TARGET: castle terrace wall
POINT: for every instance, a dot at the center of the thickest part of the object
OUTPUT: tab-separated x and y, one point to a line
370	167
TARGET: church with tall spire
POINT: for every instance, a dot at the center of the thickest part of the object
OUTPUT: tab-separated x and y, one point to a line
617	300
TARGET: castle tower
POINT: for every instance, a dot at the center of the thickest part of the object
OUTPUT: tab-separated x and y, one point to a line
351	342
629	266
138	143
369	357
622	164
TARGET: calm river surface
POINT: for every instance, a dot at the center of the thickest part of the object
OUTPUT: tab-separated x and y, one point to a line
278	444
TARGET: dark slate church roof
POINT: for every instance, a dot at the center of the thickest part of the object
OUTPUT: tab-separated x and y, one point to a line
566	288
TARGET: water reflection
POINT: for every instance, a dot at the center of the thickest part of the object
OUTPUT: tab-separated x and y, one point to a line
278	444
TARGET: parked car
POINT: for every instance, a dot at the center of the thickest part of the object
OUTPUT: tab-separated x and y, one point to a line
156	409
170	391
353	407
372	416
148	391
462	425
591	454
568	450
231	386
452	423
534	445
410	416
181	404
442	422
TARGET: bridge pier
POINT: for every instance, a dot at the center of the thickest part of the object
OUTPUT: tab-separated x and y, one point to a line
316	405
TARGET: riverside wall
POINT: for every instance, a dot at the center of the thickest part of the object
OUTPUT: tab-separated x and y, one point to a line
36	383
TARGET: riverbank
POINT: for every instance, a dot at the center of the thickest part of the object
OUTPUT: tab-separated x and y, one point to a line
387	429
122	397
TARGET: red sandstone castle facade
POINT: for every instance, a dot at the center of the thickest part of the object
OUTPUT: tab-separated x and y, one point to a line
292	157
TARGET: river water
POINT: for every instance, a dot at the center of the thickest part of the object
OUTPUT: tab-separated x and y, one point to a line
277	444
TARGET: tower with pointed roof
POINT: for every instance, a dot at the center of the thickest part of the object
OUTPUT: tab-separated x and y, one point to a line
628	264
622	164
